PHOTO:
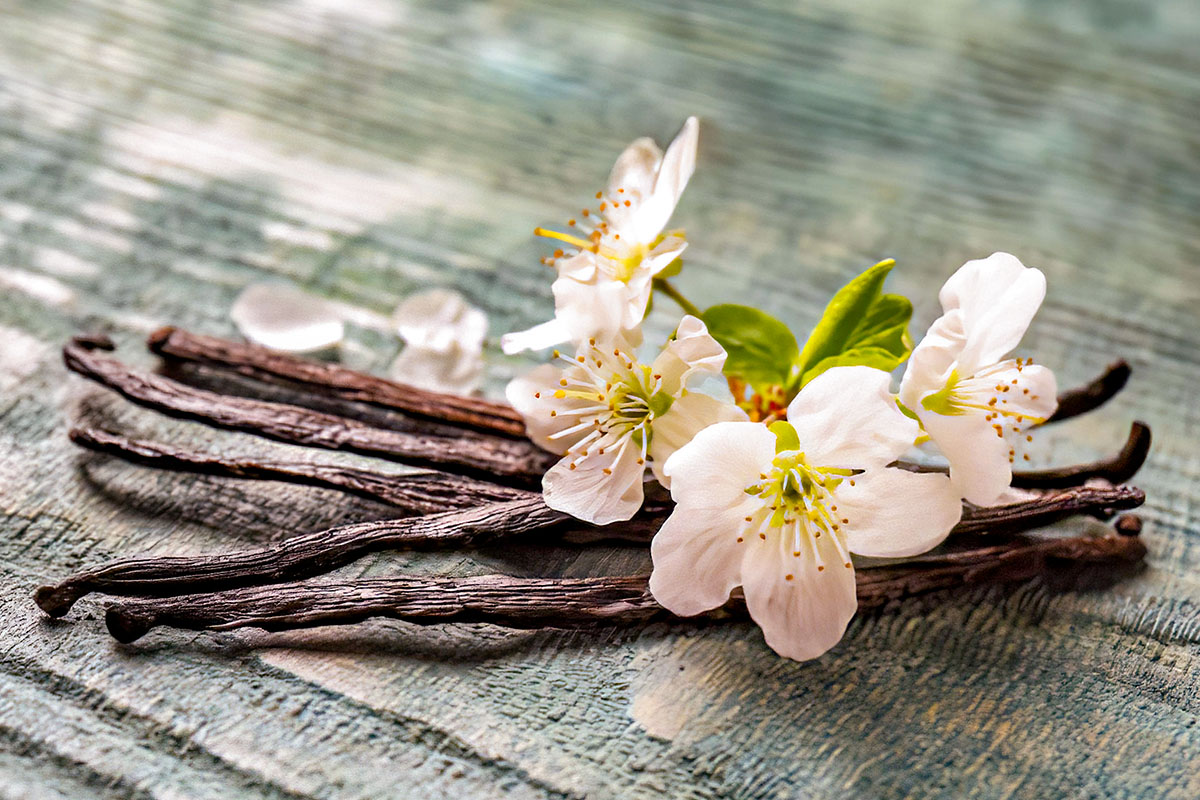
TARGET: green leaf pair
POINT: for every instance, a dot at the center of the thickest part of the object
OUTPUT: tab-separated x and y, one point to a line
861	326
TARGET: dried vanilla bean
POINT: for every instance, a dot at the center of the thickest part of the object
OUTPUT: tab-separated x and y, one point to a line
316	553
1117	469
426	493
506	461
270	365
1083	399
1047	508
301	556
567	602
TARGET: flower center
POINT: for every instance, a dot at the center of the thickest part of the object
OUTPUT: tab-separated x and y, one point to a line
620	401
999	393
594	233
799	507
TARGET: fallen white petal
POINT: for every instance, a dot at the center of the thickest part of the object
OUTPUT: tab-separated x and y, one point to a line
283	317
452	371
440	319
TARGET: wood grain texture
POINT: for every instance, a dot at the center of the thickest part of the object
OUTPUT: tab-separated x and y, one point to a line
156	157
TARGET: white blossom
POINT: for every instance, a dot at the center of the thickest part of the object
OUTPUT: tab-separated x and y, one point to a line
612	252
609	416
778	511
975	404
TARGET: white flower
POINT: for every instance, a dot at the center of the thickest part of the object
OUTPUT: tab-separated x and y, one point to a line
609	415
971	403
780	516
283	317
443	338
614	251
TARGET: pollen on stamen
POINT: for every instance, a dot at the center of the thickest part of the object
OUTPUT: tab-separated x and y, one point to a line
740	540
599	195
1026	456
586	213
553	413
620	191
848	565
762	536
820	568
749	519
603	206
607	471
845	521
789	577
627	203
616	236
562	381
537	395
571	465
1029	438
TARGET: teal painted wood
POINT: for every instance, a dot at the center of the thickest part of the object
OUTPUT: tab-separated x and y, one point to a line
156	157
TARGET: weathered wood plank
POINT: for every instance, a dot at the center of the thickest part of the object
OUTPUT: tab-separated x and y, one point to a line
156	157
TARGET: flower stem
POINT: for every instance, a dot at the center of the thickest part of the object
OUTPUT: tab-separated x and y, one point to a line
665	286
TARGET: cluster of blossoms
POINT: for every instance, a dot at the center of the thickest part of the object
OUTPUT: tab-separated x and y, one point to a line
779	481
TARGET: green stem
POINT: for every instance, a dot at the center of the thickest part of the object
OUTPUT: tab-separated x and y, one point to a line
664	286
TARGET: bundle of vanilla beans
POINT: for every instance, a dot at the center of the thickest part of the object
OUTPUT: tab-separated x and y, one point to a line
482	486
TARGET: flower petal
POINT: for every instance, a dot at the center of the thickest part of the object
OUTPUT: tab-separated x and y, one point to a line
635	169
979	467
689	414
601	308
1032	394
697	559
676	169
692	349
998	296
590	493
805	615
539	337
934	359
532	395
895	513
440	319
285	318
847	418
714	469
455	370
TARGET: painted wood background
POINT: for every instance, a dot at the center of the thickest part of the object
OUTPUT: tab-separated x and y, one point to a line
157	156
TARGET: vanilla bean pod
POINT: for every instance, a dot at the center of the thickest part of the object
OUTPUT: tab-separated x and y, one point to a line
435	492
425	493
567	602
1083	399
1117	469
507	461
316	553
269	365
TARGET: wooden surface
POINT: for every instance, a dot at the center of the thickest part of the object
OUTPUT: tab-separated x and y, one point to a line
156	157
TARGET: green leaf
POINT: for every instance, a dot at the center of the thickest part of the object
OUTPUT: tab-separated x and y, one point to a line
861	326
761	350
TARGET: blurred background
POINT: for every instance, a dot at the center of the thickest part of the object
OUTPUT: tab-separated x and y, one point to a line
158	157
